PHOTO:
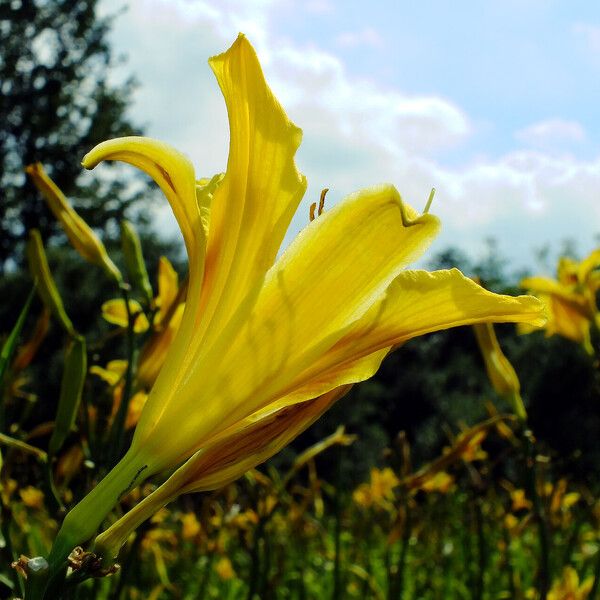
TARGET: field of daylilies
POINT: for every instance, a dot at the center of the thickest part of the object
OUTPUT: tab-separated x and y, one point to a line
134	459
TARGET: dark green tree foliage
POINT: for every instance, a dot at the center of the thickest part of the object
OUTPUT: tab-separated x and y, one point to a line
435	383
56	103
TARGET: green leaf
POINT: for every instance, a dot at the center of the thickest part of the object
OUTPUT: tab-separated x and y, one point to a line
10	344
74	373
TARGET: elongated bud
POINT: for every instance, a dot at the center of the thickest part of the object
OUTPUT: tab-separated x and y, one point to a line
74	373
500	372
81	236
46	287
134	259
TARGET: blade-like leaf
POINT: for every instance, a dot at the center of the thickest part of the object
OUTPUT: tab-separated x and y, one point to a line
11	342
74	373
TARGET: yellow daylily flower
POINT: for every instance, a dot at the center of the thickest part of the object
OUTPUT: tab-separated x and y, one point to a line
569	587
379	491
32	497
224	569
81	236
262	335
441	482
113	373
115	312
570	299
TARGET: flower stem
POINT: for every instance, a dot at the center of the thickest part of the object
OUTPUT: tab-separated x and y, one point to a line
83	520
117	433
544	576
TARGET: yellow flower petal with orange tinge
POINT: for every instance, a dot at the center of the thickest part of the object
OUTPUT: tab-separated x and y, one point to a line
32	497
154	352
224	569
168	286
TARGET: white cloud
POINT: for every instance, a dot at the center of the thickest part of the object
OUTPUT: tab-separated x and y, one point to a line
551	134
318	7
590	34
356	131
364	37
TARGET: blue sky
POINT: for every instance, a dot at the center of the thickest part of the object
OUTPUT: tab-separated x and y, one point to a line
494	103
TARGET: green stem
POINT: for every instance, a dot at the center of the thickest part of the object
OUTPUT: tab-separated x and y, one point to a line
255	558
398	581
337	579
481	551
6	440
544	576
83	520
206	573
8	550
510	572
595	591
117	434
55	499
126	565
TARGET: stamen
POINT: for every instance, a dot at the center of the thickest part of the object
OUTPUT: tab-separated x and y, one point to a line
311	211
322	201
429	201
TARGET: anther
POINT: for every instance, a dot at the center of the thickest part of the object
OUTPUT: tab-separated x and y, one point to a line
322	201
311	211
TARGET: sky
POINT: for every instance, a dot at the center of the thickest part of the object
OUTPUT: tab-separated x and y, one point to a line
493	103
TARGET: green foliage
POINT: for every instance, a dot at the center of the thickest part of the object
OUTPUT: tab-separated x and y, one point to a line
56	103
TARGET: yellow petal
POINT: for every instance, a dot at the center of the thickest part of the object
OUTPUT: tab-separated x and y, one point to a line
251	442
545	285
567	321
254	203
173	173
154	352
329	276
134	410
237	450
168	286
81	236
588	265
115	312
416	303
567	271
113	373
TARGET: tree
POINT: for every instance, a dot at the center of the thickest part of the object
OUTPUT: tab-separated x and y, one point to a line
56	103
